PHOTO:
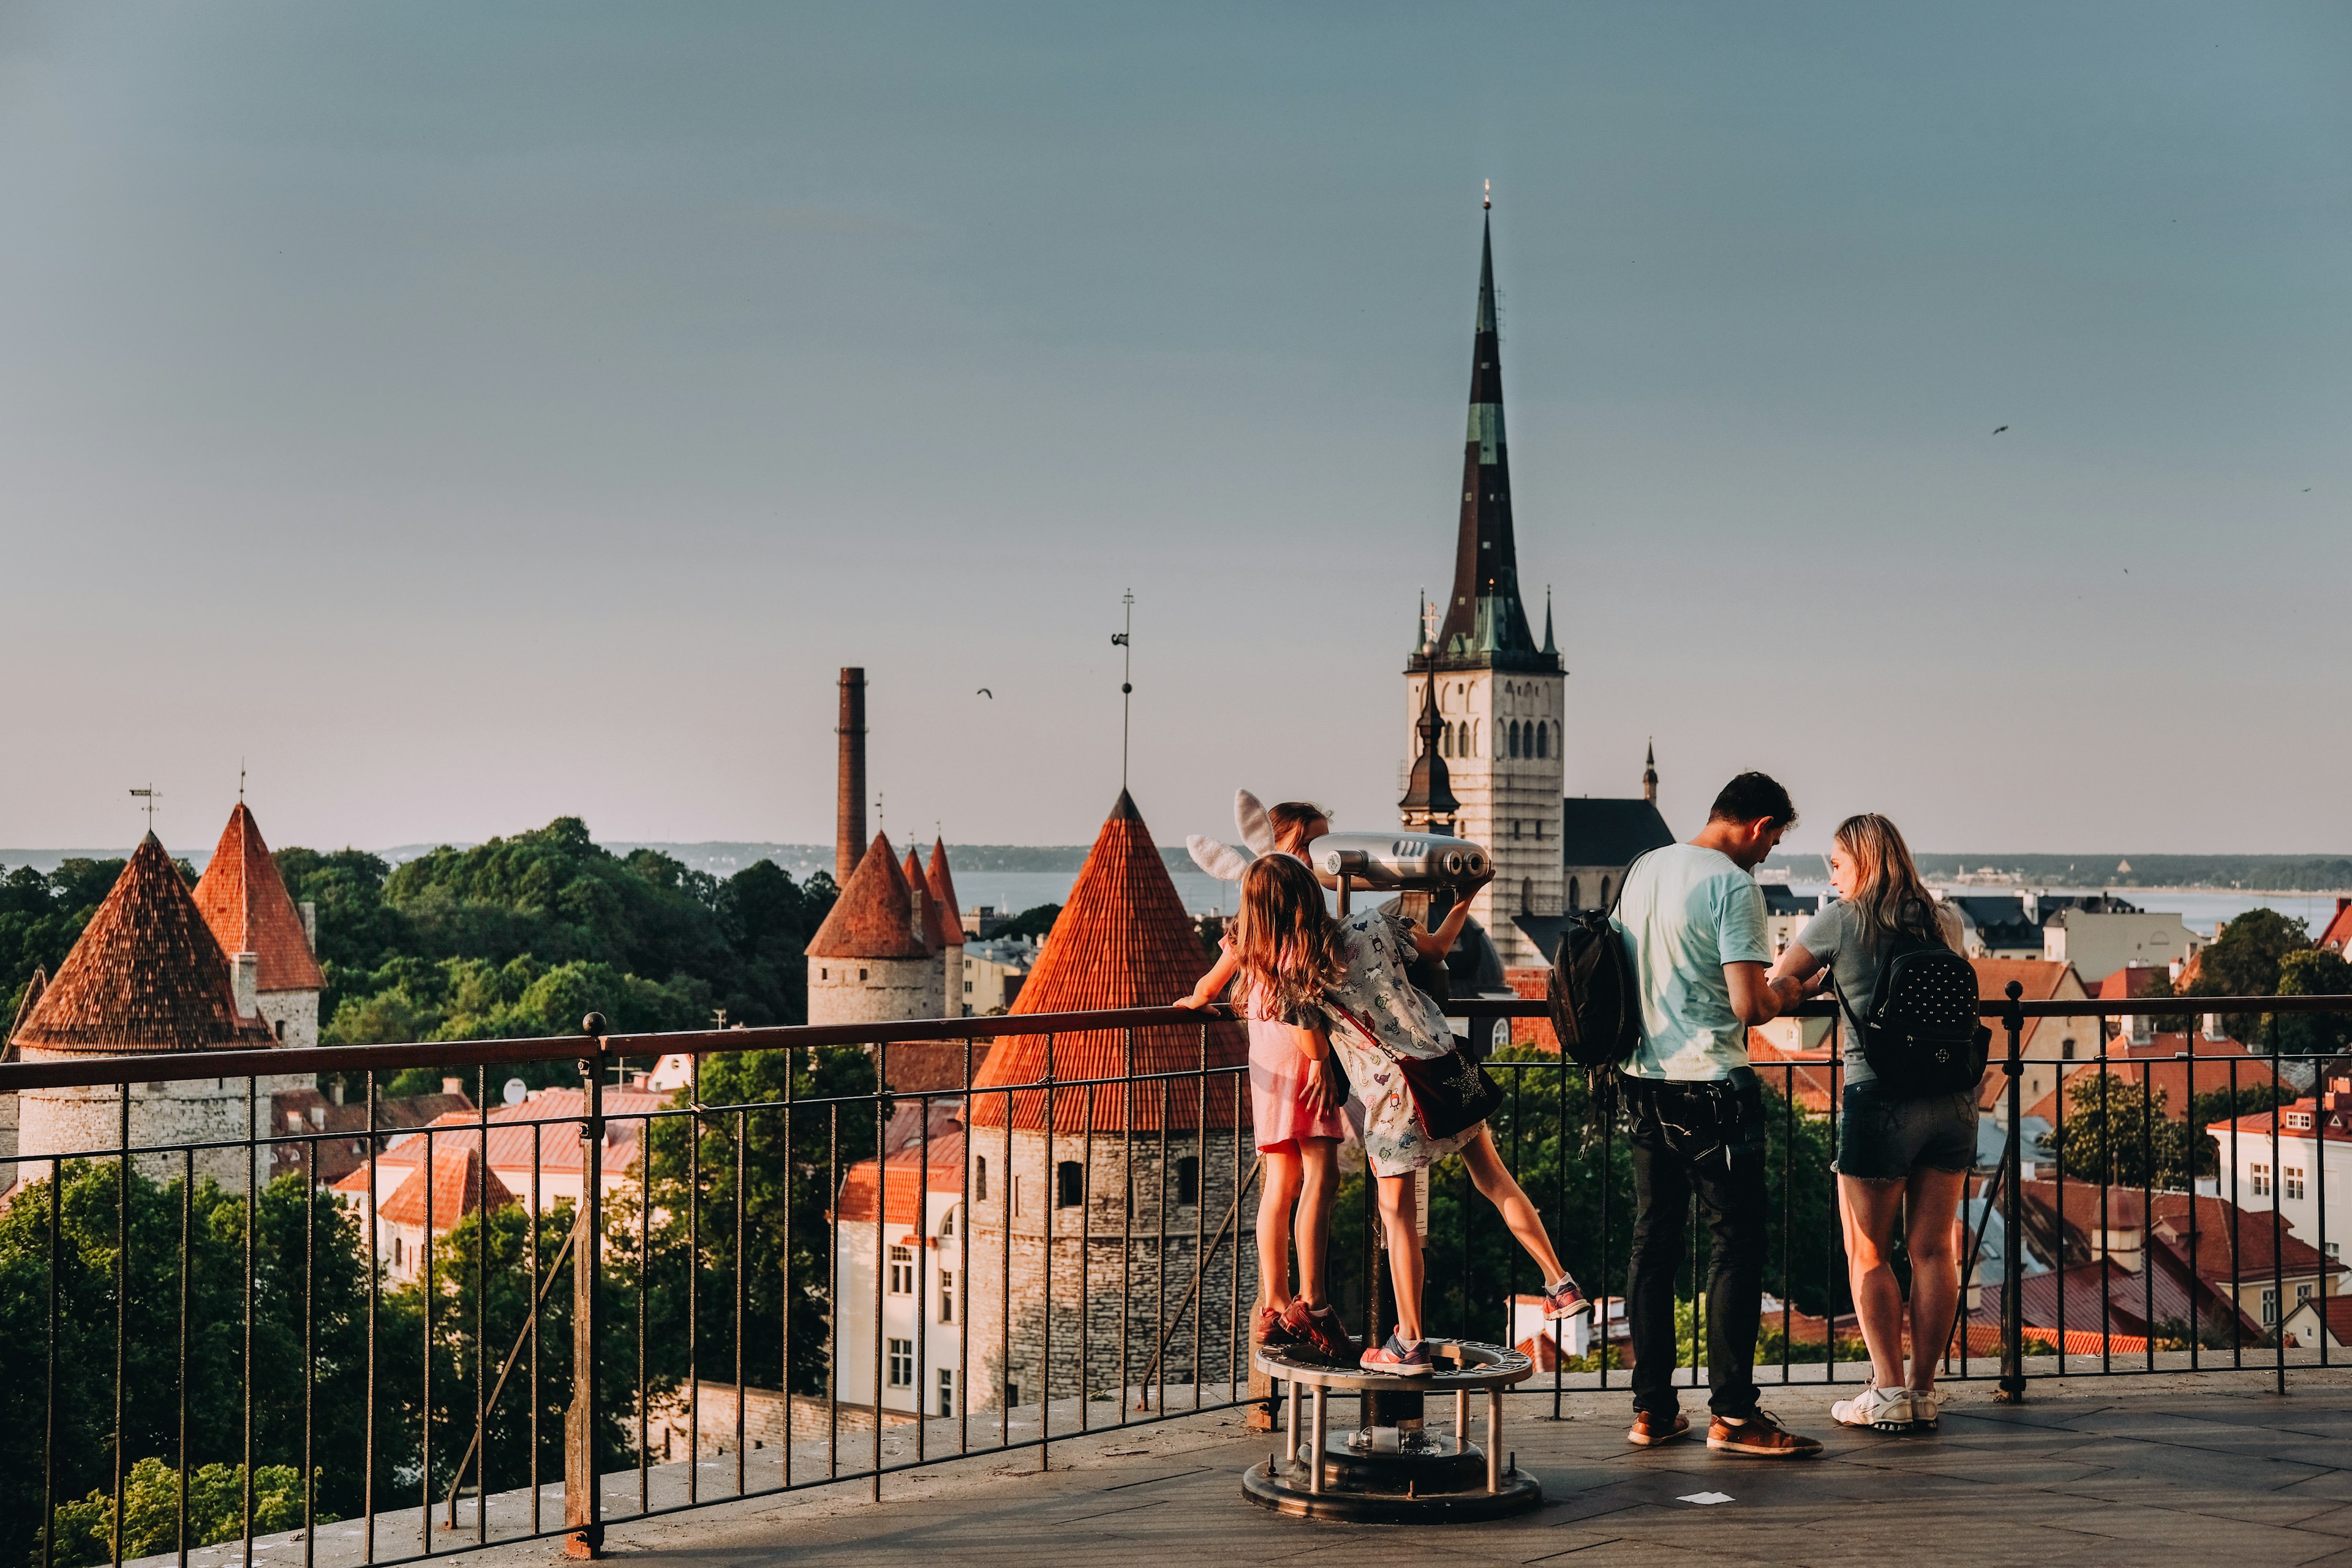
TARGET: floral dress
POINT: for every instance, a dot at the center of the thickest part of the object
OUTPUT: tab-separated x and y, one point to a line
1375	996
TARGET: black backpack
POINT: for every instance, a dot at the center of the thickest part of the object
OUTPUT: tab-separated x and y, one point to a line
1921	1036
1595	996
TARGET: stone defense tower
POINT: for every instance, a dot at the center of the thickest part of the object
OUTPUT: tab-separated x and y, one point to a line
1500	697
245	903
871	961
1081	1181
147	977
943	900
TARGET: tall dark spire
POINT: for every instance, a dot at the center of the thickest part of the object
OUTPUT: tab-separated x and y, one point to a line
1484	623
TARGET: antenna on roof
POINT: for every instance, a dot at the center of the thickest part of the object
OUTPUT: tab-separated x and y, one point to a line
150	795
1125	642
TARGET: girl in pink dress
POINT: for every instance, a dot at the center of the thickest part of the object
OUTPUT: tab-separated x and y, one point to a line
1295	1107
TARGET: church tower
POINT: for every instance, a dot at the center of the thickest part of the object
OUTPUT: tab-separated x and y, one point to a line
1499	696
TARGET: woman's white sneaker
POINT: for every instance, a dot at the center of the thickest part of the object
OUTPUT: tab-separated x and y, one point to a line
1927	1409
1881	1409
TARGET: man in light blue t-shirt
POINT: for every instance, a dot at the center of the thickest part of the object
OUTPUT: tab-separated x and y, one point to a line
1693	922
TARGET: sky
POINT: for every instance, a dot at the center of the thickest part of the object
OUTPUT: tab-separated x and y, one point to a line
460	416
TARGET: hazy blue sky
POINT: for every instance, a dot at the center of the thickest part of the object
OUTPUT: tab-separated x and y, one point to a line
473	412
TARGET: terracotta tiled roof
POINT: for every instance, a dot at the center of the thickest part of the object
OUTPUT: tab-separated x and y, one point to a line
2339	1309
2218	1065
901	1183
458	1183
342	1141
245	902
1123	939
2216	1218
2339	927
2125	1308
146	974
874	915
943	893
559	1144
918	888
2133	980
2302	1118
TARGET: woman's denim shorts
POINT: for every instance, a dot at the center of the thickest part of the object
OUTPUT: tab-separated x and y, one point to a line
1884	1138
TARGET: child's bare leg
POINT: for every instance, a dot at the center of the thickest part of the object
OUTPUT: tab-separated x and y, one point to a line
1397	1217
1277	1194
1319	1160
1499	1187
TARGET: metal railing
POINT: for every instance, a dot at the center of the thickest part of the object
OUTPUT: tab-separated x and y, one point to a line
704	1234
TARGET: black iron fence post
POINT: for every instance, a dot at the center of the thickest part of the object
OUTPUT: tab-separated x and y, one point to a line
584	1518
2012	1265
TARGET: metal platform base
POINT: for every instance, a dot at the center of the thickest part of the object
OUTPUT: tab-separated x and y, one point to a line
1433	1492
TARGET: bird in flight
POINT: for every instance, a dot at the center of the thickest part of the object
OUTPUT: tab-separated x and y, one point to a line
984	691
1999	428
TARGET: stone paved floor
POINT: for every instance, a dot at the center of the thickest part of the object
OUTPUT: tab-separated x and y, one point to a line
2211	1469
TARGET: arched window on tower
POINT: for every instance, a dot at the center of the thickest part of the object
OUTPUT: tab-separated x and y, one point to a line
1472	748
1445	740
1515	737
1573	904
1543	740
1527	895
1604	894
1070	1185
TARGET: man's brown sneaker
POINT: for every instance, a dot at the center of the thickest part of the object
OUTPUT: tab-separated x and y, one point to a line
1759	1438
1269	1330
1650	1428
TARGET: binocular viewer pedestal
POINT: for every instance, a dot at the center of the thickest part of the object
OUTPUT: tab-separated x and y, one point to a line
1392	1467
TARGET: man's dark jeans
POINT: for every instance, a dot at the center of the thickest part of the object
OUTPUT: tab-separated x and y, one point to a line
1706	1138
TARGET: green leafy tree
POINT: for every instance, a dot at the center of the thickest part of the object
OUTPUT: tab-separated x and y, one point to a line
787	1192
2245	960
42	916
1037	920
150	1512
2117	1133
2314	972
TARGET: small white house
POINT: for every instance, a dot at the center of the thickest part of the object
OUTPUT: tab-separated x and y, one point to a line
2307	1167
901	1245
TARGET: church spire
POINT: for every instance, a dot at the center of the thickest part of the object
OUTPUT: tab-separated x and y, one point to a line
1650	775
1485	621
1429	805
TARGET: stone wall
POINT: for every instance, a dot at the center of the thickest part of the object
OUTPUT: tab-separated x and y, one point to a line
875	990
1071	1301
767	1421
292	1015
89	1121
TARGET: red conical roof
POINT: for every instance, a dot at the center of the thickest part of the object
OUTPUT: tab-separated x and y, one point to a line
145	976
1122	941
943	893
245	903
935	928
874	915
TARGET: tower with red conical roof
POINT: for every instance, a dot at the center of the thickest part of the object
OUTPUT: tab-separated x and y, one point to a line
245	903
943	897
872	960
1089	1199
146	977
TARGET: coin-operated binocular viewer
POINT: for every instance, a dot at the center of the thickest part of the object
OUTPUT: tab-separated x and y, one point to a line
1397	862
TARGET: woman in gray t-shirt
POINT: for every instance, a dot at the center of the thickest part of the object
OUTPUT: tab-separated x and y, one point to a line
1894	1152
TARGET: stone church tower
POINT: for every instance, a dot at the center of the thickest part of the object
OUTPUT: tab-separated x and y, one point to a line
146	977
1500	696
245	903
1092	1206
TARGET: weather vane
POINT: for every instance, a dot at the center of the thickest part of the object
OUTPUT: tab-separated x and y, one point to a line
878	824
148	798
1489	203
1124	641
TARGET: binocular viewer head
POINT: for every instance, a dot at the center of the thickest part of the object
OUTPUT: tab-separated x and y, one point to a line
1399	861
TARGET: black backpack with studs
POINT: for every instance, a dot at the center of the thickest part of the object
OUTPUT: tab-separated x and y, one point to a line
1921	1036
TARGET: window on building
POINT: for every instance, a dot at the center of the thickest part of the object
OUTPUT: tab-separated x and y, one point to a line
861	975
2259	1178
947	1295
2067	1049
2294	1182
980	1178
395	1252
967	987
1020	1193
823	974
1474	737
902	1271
1012	1393
947	1390
1574	892
1514	737
947	1224
1543	740
1070	1185
902	1363
1604	902
2301	1292
2270	1307
1527	895
1445	740
1188	1181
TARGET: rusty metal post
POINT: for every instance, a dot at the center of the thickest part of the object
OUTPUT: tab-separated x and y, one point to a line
584	1514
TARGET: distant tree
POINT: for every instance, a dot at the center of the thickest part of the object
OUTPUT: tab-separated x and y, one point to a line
41	917
2115	1132
2244	960
2314	972
1036	921
1212	932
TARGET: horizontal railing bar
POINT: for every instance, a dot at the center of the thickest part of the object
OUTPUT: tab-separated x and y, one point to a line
182	1066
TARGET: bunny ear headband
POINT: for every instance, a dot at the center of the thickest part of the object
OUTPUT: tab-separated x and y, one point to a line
1223	861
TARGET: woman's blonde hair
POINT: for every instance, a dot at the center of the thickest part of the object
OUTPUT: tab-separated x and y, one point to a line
1888	893
1290	817
1288	943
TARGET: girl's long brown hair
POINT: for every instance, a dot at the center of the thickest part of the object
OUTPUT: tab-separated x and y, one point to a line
1289	944
1891	896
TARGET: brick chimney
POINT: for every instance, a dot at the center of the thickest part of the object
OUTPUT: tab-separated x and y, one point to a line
849	805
